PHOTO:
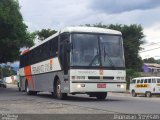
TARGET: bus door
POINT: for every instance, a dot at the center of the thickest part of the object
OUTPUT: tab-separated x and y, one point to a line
64	53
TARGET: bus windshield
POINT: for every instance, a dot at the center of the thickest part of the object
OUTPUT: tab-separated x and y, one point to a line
97	50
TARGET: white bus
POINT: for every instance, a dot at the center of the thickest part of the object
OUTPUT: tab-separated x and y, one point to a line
145	85
75	60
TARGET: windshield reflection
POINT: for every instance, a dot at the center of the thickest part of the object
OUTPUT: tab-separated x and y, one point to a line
97	50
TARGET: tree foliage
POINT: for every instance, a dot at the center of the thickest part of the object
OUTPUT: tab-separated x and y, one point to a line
132	39
45	33
150	60
6	71
131	73
13	32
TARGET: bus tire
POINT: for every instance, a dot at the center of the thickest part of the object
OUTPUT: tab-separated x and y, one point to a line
58	93
134	94
101	95
148	94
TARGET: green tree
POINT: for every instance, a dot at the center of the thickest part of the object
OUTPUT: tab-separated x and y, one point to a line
150	60
158	61
13	31
6	71
131	73
45	33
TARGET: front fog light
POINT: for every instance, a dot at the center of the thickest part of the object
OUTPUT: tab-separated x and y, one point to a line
122	86
78	86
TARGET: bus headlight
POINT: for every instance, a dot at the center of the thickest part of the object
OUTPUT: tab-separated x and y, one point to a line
122	86
80	85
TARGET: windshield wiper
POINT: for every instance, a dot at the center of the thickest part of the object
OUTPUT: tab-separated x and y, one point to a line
95	57
108	57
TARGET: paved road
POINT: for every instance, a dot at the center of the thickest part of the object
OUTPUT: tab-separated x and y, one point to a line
12	101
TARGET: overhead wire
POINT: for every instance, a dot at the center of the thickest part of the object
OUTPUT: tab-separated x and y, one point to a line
149	50
151	44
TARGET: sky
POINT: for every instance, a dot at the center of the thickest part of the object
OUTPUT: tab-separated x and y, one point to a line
57	14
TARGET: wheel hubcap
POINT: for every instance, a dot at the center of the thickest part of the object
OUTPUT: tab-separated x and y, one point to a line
58	90
27	89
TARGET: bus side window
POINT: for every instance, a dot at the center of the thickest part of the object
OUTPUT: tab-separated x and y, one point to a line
153	81
141	81
145	81
133	81
158	80
138	81
149	80
21	61
53	47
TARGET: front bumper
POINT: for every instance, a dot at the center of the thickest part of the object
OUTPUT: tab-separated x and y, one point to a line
97	86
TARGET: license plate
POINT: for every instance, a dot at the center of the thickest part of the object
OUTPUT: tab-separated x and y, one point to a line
101	85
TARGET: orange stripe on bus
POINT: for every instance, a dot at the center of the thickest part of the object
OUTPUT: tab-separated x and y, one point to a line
51	61
28	74
25	51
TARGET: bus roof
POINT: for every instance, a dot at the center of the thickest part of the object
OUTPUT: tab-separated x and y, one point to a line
90	30
81	29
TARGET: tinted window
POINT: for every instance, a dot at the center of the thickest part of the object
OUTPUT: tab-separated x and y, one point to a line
145	81
43	52
97	50
138	81
153	81
133	81
21	61
64	36
158	80
149	80
53	47
24	60
141	81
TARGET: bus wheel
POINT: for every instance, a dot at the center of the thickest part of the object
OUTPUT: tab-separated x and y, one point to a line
134	94
148	94
101	96
58	93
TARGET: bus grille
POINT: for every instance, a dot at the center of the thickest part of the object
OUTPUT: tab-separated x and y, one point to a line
101	77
